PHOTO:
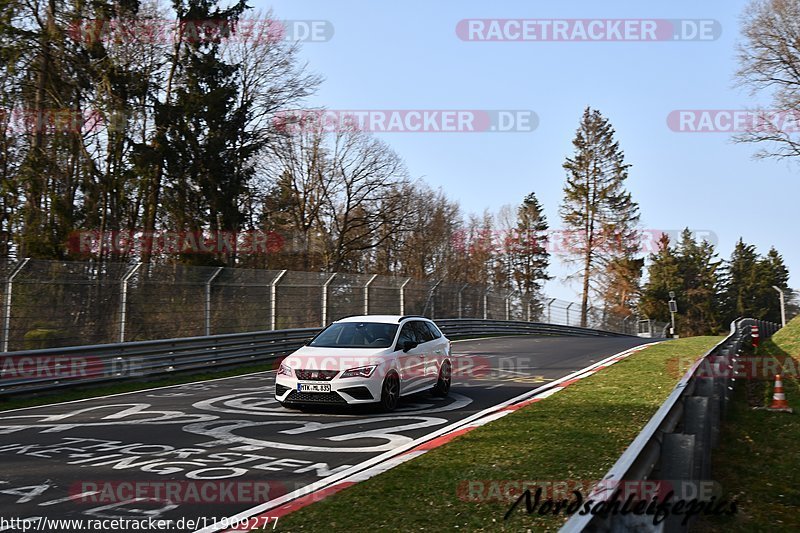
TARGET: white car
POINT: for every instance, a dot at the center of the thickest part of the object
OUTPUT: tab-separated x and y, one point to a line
367	359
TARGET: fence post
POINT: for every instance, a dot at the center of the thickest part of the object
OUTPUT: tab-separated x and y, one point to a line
9	290
123	304
570	305
549	315
403	296
431	299
273	299
366	293
508	304
325	300
486	303
460	308
528	308
208	299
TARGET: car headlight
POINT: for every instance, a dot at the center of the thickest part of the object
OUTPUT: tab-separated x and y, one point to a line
285	370
360	372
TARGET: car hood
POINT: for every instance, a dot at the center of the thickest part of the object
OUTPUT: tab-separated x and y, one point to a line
309	357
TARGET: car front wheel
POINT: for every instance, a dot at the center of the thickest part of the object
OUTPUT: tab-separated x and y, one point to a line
390	393
442	387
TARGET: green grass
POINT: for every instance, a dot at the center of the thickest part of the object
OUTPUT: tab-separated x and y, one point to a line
758	461
85	392
577	434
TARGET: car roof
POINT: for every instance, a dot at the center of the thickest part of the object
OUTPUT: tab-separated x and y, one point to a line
381	319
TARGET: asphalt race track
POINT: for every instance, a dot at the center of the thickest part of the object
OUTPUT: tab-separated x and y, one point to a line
214	449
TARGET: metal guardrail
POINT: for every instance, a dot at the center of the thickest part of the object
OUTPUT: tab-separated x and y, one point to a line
58	368
675	445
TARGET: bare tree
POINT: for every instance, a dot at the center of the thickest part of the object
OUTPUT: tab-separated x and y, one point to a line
358	207
769	65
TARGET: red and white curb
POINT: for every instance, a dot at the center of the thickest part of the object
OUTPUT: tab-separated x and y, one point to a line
323	488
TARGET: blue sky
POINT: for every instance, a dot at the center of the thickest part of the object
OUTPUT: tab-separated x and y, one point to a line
406	55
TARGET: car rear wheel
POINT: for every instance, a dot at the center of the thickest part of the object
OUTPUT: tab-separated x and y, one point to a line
390	393
442	387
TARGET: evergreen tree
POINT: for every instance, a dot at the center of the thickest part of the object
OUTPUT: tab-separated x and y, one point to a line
208	151
741	281
690	269
748	281
597	210
663	276
527	248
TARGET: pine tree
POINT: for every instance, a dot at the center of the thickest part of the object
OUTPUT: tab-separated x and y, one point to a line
690	269
208	151
597	209
663	276
741	282
528	249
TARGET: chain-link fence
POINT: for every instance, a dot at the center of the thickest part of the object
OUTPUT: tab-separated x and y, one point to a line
47	304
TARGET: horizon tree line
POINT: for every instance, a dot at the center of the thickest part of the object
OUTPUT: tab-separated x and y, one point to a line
181	135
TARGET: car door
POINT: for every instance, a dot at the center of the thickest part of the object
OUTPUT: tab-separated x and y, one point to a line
412	362
440	345
430	370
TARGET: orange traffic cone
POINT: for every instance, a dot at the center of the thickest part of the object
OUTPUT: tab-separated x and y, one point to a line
779	402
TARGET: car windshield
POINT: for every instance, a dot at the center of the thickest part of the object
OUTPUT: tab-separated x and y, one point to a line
356	335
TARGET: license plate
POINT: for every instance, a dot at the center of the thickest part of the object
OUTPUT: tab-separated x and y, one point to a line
313	387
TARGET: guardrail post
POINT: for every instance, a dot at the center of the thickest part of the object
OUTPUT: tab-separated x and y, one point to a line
208	299
325	300
707	388
366	293
9	290
697	423
677	464
123	303
403	296
273	299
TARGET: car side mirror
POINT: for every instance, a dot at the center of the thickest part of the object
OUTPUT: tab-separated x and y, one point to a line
409	345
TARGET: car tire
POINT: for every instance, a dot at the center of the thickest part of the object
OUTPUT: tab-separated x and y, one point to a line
442	387
390	393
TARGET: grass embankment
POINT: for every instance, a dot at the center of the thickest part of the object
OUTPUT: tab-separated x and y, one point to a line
93	391
758	461
577	434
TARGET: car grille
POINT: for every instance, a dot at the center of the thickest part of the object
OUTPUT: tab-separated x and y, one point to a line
358	393
280	389
315	397
316	375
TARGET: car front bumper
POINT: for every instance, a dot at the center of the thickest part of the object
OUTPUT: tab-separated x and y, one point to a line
347	391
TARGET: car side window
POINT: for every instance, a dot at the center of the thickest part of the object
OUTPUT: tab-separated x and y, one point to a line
434	330
423	333
406	334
